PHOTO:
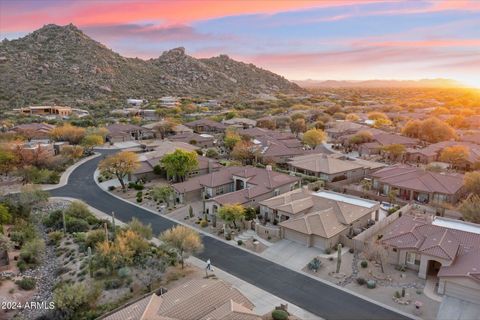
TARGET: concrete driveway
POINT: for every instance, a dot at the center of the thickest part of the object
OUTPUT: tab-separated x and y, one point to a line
290	254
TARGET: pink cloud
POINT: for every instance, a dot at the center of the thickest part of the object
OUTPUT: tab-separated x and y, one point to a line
171	12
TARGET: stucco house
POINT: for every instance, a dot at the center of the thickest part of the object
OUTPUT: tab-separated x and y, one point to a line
445	249
318	219
206	126
333	167
205	299
148	160
417	184
120	132
244	185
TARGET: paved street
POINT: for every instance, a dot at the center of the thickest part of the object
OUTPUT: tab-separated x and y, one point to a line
316	297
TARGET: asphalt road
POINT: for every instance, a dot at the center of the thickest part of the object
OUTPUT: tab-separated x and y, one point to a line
316	297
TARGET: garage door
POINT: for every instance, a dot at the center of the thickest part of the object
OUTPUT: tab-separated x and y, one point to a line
465	293
296	236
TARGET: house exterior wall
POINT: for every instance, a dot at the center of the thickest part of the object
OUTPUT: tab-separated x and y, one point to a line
295	236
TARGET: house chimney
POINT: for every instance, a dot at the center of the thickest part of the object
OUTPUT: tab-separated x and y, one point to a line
268	167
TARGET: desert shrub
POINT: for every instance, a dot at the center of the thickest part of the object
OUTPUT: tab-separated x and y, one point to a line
112	284
239	242
138	227
123	272
32	251
54	220
78	209
55	237
94	237
203	223
351	250
228	237
314	265
22	265
26	283
69	297
279	315
111	188
328	251
364	264
398	295
361	281
76	225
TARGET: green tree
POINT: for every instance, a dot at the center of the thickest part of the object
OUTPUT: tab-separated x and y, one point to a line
470	209
120	165
179	163
231	139
7	161
471	180
314	137
232	213
5	216
297	126
163	193
185	241
91	141
394	151
455	155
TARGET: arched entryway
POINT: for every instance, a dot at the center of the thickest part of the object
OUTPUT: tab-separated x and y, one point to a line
433	268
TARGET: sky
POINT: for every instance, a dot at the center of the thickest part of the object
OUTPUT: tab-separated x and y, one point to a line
339	39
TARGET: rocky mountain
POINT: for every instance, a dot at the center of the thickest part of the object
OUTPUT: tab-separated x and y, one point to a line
61	64
424	83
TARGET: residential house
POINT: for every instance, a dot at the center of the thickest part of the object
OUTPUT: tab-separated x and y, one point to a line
384	139
149	160
446	249
417	184
206	126
177	129
120	132
204	299
275	146
52	111
470	136
333	167
200	140
169	102
34	130
244	185
242	123
338	129
432	153
318	219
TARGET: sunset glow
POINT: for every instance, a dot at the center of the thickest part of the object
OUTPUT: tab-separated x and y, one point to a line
297	39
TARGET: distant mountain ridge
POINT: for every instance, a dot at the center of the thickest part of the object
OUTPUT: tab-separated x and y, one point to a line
61	63
424	83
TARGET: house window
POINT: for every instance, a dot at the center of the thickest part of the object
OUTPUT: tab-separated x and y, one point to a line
219	190
410	258
394	249
276	192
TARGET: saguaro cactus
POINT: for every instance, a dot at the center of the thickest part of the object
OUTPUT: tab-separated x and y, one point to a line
339	257
105	226
64	222
90	265
113	225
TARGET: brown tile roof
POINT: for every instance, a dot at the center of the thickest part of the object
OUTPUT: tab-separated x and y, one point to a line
321	223
302	201
436	148
39	127
322	163
187	137
206	122
122	128
257	177
386	139
418	179
204	299
417	232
